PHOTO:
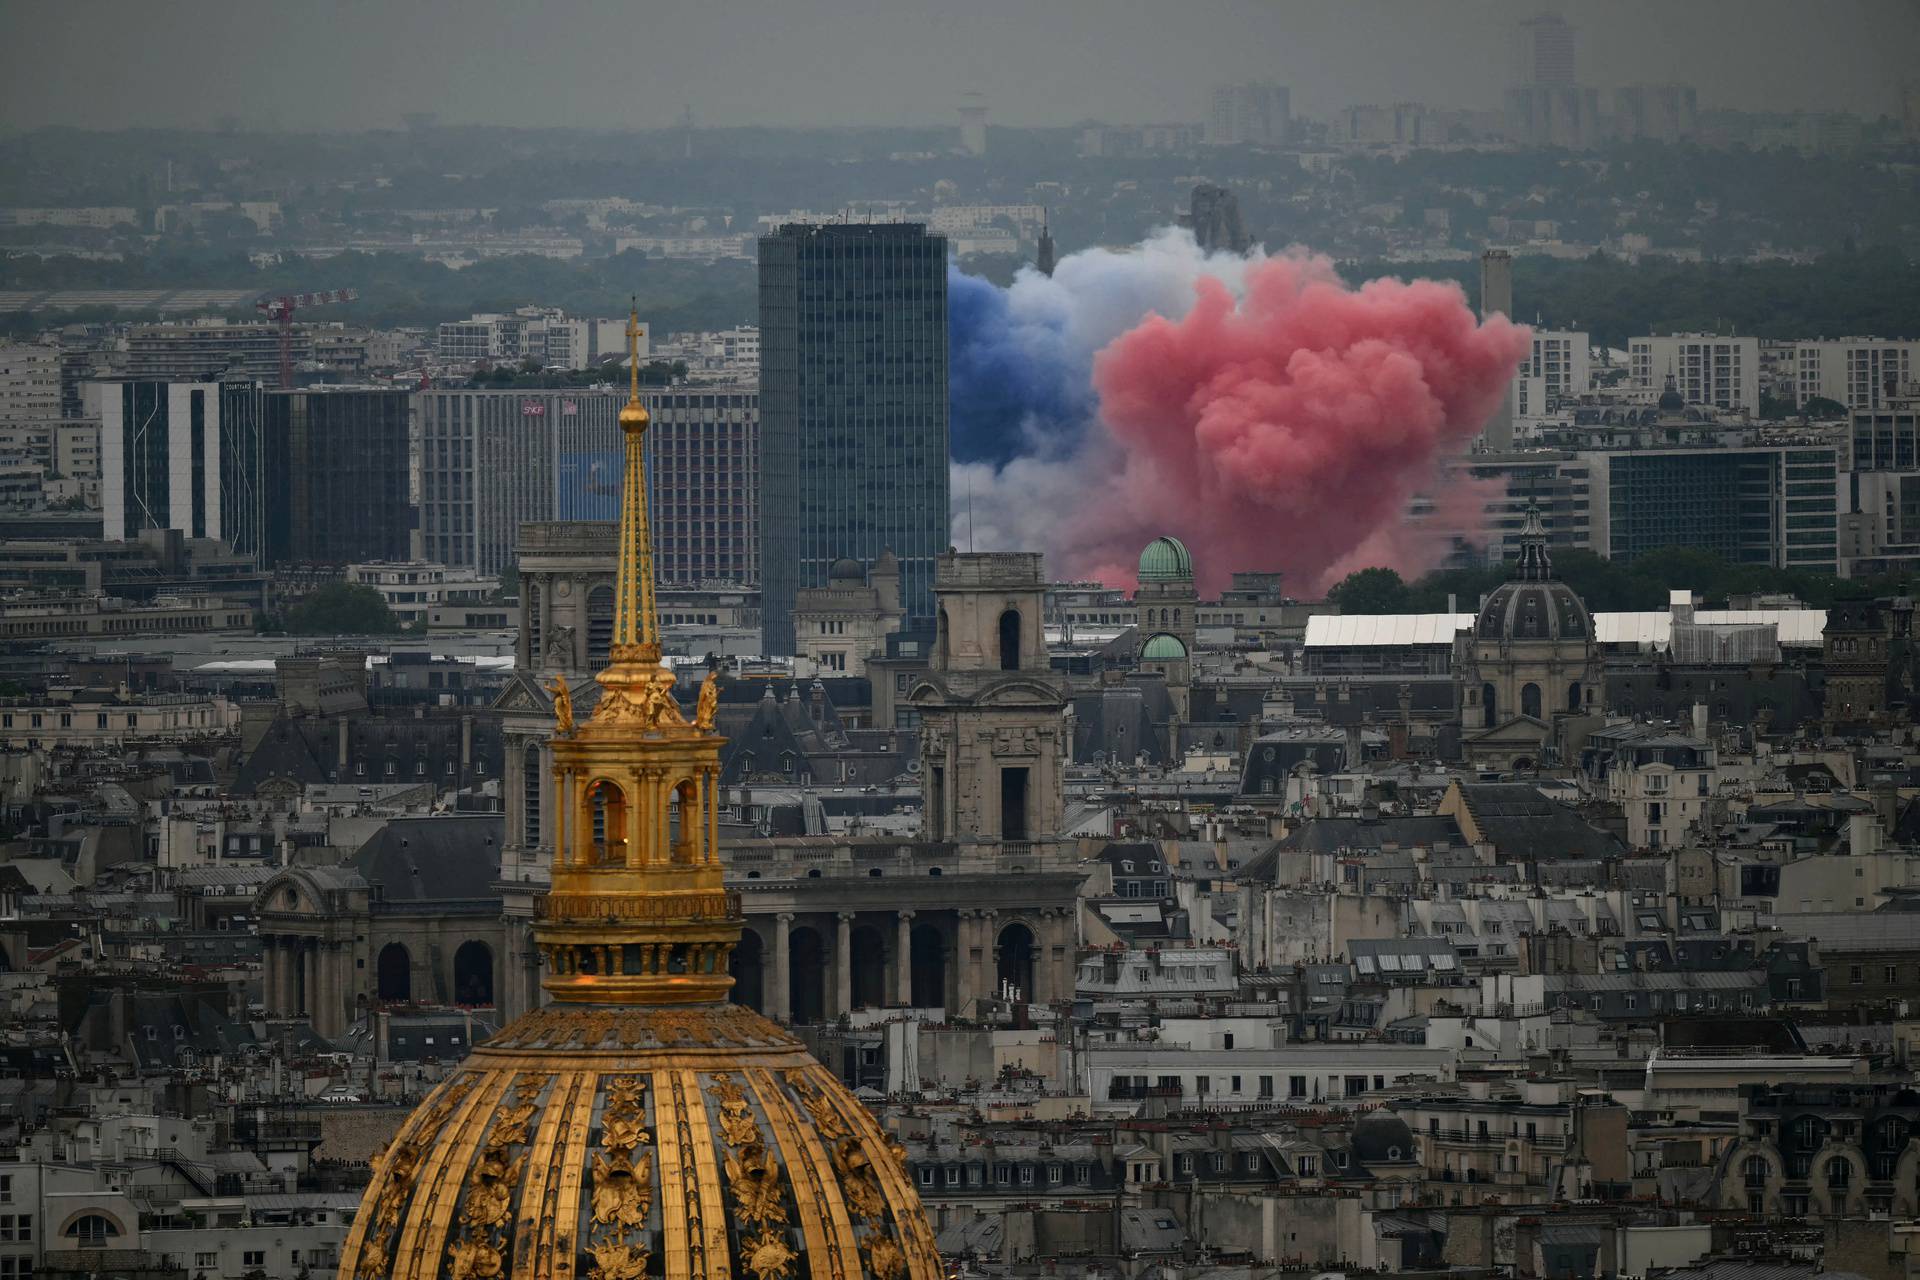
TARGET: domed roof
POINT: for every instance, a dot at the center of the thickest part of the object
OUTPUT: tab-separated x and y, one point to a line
1533	611
846	569
1381	1137
583	1140
1163	648
1533	605
1671	399
1165	560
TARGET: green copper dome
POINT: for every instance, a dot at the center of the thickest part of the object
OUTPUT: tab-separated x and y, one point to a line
1166	560
1163	648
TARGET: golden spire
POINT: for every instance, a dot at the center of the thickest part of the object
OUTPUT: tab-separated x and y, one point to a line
635	633
638	911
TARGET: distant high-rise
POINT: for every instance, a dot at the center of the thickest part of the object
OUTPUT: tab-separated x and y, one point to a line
1545	52
853	409
1546	107
1043	256
973	125
1213	214
181	455
491	461
339	477
1496	298
1254	113
1655	112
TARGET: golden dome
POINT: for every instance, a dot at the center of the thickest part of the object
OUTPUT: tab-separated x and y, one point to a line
639	1126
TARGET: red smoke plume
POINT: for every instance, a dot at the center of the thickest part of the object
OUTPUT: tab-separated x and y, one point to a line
1290	430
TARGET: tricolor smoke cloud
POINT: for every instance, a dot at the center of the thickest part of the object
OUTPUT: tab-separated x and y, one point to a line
1257	408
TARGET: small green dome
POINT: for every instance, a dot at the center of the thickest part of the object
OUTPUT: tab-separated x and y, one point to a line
1166	560
1163	648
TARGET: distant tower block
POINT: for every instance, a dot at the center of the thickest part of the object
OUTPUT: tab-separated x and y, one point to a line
1496	298
973	124
1043	260
1496	283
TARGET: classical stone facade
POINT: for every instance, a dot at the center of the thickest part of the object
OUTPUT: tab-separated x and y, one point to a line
842	624
393	926
993	738
839	925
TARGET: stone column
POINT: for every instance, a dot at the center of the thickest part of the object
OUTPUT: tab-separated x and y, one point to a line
1063	969
842	964
779	1002
309	971
986	980
269	973
903	959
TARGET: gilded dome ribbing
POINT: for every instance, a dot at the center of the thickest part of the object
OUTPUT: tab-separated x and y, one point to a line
639	1125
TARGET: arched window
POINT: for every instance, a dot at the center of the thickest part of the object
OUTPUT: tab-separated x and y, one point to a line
473	974
1530	700
607	819
1010	640
92	1230
1490	702
1573	696
393	973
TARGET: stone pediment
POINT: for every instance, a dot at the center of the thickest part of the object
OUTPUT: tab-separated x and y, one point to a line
1516	729
523	694
986	689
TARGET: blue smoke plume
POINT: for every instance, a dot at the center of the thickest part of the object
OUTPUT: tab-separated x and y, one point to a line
1017	384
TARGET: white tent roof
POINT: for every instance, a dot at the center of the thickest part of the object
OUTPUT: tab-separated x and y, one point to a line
1336	630
1797	628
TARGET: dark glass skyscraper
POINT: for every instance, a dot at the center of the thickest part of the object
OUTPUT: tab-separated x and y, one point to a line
338	476
853	409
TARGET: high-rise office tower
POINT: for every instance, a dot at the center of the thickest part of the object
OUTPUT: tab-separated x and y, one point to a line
181	455
853	409
339	476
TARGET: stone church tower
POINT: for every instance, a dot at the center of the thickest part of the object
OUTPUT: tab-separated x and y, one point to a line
993	715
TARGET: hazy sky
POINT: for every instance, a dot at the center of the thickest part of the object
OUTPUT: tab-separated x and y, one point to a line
598	63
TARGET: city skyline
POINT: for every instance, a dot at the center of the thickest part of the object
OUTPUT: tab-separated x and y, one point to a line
1059	63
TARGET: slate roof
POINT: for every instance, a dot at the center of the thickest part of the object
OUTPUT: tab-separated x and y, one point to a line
1520	823
433	859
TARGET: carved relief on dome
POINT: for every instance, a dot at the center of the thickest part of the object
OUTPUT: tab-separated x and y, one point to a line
622	1194
485	1242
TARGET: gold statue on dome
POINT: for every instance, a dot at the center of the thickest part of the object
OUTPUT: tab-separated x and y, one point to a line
562	703
709	702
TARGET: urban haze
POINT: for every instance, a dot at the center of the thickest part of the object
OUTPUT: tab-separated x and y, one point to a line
1080	640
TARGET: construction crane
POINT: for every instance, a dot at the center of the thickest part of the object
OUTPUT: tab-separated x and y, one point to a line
282	309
